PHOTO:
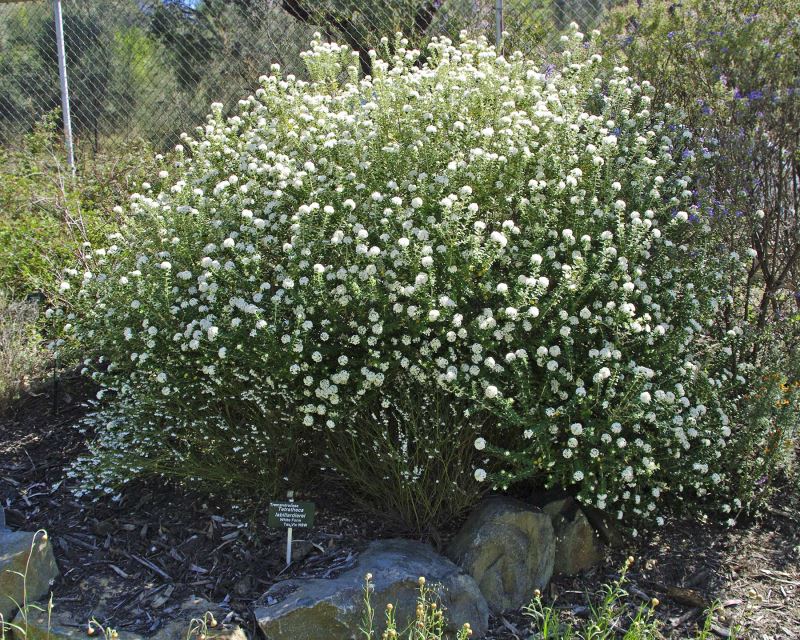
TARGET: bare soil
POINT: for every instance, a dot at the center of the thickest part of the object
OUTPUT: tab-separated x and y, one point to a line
131	561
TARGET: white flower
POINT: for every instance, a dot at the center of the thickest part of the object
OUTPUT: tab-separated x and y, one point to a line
480	475
498	238
340	264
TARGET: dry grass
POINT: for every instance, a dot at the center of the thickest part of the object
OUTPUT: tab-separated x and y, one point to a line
22	356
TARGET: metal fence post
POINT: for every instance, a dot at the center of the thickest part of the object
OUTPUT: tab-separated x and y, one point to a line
498	23
62	76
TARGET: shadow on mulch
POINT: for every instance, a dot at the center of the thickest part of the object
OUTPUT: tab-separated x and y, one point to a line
133	560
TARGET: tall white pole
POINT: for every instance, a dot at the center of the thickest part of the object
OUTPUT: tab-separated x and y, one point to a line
498	23
62	76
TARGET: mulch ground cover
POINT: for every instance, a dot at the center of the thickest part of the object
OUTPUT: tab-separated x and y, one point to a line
129	560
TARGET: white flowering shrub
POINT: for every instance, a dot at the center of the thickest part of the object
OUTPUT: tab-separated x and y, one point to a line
524	240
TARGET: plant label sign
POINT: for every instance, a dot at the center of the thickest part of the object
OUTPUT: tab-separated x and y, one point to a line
291	514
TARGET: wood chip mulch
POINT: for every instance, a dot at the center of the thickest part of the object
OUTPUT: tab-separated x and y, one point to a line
133	561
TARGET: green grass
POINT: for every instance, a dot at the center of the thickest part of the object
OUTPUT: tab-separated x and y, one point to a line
611	618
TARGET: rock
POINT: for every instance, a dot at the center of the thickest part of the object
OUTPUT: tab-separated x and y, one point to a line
313	608
198	617
60	625
22	552
578	545
509	548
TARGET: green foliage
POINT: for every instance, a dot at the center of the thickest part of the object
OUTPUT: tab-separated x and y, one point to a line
47	215
429	621
462	250
410	459
733	67
612	618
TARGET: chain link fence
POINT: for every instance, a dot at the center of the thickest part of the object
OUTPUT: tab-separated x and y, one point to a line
148	69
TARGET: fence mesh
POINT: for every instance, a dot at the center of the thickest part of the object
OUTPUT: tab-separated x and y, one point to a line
148	69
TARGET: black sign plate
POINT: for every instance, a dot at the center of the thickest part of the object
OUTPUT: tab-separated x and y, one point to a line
291	514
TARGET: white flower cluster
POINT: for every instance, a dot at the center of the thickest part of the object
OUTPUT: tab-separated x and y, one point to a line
523	238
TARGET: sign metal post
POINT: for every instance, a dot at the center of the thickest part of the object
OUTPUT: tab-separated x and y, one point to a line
290	496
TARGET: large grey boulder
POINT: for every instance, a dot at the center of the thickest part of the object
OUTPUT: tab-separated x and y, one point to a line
332	609
578	545
24	553
509	548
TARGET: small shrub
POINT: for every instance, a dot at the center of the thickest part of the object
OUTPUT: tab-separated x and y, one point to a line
525	243
733	68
